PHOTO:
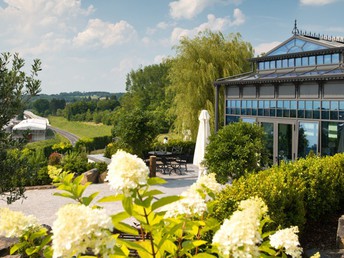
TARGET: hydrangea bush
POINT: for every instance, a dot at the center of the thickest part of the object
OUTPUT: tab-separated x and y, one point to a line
171	226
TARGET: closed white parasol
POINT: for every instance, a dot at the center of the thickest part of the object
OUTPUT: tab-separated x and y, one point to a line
202	141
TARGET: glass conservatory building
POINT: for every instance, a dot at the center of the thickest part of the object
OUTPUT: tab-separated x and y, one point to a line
296	93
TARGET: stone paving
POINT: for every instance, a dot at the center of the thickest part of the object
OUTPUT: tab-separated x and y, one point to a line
43	204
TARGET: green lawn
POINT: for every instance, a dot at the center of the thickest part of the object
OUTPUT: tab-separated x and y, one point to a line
81	129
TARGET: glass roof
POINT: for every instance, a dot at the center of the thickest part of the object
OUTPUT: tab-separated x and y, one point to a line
279	75
296	45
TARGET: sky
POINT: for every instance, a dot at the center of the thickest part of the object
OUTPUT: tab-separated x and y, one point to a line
91	45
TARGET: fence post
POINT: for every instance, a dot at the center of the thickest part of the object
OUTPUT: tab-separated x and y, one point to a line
152	166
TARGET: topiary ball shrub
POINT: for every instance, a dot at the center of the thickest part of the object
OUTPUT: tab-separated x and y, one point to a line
54	159
236	149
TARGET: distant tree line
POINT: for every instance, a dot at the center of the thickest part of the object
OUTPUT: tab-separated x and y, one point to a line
88	109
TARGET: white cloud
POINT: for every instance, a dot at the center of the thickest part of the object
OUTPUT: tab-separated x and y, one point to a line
100	33
213	24
187	9
160	26
28	16
265	47
25	24
317	2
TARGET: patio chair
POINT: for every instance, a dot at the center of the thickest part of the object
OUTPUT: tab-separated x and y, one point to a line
162	164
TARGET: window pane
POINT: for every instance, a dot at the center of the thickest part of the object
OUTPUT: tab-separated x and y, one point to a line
326	105
266	104
285	63
327	59
298	61
267	65
311	60
309	105
261	65
316	105
243	104
291	62
249	103
280	104
331	138
279	64
272	65
334	105
305	61
286	104
301	104
335	58
254	104
320	60
308	138
231	119
301	113
273	103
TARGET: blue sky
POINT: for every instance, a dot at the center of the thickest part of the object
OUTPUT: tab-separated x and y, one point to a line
91	45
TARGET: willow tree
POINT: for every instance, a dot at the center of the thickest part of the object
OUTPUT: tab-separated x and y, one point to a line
198	63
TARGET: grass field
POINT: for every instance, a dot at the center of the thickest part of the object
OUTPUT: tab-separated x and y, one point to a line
81	129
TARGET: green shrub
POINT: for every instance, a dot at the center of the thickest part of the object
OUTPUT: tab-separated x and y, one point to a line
113	147
236	149
282	193
75	162
297	192
101	166
91	144
324	181
62	147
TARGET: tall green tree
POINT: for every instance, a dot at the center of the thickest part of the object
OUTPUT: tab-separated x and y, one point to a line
198	63
15	88
146	90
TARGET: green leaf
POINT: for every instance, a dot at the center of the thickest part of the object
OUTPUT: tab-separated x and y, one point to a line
111	198
145	203
155	181
65	195
164	201
31	250
204	255
152	193
130	244
169	246
127	203
16	247
119	217
264	247
87	200
123	227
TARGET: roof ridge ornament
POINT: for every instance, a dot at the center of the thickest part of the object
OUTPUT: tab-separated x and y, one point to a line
295	30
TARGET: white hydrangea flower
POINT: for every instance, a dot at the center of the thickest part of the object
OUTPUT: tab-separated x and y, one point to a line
288	239
79	227
239	236
15	223
207	181
191	204
126	172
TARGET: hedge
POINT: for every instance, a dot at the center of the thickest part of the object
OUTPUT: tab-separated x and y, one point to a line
305	190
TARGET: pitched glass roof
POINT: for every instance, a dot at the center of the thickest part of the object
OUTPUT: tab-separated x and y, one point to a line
281	76
295	45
